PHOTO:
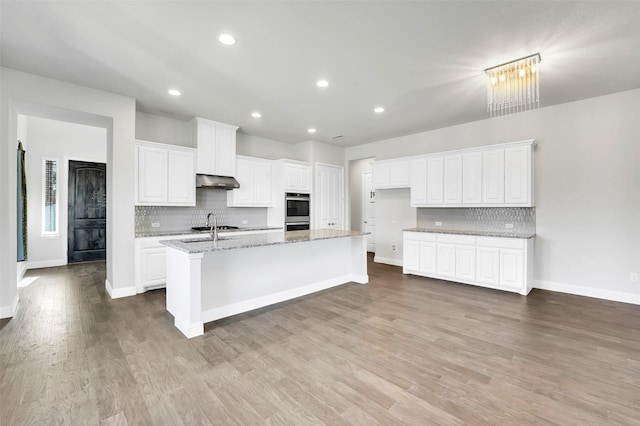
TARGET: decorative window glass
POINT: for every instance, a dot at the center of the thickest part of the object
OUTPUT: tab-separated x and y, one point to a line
50	196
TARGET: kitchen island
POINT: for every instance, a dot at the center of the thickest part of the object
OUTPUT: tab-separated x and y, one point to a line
207	281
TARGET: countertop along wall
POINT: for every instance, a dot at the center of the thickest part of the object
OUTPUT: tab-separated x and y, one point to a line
587	187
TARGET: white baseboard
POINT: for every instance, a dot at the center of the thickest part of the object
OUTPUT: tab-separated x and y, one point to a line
616	296
9	311
45	263
117	293
387	260
260	302
190	330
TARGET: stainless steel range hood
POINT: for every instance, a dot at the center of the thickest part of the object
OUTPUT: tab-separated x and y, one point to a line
216	182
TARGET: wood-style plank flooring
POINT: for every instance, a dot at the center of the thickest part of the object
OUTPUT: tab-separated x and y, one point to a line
401	350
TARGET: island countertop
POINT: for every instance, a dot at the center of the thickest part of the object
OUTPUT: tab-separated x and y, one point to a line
155	234
523	235
258	240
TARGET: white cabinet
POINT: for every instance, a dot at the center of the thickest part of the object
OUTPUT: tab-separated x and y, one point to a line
297	177
216	143
391	174
472	178
453	179
418	181
493	177
329	197
254	177
435	180
500	263
165	175
517	175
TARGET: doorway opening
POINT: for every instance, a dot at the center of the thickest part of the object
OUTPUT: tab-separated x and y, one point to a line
362	199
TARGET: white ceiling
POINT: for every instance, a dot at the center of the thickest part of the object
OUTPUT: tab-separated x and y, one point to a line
423	61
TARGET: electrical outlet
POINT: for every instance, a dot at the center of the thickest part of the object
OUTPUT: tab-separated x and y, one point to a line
633	277
394	247
438	223
244	222
508	225
155	225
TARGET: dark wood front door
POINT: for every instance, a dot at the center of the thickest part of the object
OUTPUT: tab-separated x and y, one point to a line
87	236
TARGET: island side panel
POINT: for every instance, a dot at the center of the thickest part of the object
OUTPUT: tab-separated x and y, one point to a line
184	291
237	281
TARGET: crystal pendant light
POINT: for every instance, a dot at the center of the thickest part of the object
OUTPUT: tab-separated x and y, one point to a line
514	86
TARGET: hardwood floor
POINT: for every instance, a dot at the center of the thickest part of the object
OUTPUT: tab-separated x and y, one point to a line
401	350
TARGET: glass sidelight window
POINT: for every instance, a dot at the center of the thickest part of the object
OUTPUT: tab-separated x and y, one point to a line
50	206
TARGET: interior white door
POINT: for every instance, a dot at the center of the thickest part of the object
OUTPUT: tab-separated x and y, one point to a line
329	196
369	210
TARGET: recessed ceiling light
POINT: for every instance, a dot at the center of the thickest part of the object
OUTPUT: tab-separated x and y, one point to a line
379	110
256	114
227	39
174	92
322	83
311	130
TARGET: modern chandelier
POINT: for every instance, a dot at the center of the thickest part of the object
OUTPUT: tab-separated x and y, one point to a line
513	86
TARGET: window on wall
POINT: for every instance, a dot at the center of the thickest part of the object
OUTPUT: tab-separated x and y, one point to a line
50	196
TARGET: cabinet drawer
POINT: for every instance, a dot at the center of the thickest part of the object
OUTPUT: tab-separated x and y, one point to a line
506	243
420	236
457	239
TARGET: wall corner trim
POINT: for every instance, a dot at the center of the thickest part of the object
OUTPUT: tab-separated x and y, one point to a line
387	260
117	293
9	311
598	293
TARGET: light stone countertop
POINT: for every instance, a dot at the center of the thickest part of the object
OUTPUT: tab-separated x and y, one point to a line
258	240
204	233
504	234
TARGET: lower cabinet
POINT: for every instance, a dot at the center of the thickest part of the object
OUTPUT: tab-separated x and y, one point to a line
501	263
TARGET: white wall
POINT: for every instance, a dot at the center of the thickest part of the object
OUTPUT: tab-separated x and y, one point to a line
356	170
393	214
63	141
587	185
155	128
254	146
22	93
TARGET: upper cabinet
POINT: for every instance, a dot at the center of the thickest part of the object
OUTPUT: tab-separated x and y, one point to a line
254	177
297	177
493	176
391	173
216	144
165	175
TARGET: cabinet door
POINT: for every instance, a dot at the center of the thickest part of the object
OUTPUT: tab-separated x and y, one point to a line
512	269
381	175
466	262
411	255
245	177
225	151
206	140
181	182
446	260
152	175
517	162
290	177
399	174
435	184
428	256
329	196
154	270
303	178
472	178
453	179
262	184
493	177
487	265
418	181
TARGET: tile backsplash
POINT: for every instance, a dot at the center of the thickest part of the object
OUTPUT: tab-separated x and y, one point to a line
183	218
491	219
